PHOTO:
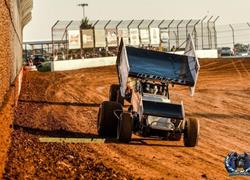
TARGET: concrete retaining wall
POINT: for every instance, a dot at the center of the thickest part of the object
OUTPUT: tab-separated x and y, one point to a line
82	63
211	53
65	65
14	14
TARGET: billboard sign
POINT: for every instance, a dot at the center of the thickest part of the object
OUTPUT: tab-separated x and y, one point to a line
74	39
134	37
154	36
111	37
87	38
100	38
164	35
144	34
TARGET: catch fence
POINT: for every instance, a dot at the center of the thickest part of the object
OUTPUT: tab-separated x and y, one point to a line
103	36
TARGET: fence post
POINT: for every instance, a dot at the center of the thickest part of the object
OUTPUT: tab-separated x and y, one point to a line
66	35
52	38
149	36
106	39
177	36
232	33
202	40
169	34
209	33
195	35
139	32
187	28
215	33
129	40
159	25
117	33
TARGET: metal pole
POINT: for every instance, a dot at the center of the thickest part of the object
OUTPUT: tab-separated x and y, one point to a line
52	37
187	28
149	31
209	32
178	38
202	40
169	34
128	27
160	34
195	34
140	31
83	8
117	32
94	33
232	33
106	39
215	33
66	34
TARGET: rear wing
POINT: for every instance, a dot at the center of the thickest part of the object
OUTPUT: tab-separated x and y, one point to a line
157	66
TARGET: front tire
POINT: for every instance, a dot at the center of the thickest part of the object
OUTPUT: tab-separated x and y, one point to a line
107	120
191	132
125	128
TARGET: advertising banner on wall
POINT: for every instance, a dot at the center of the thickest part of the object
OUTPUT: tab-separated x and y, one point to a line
100	38
164	35
134	37
123	33
87	38
154	36
111	37
164	38
74	39
144	34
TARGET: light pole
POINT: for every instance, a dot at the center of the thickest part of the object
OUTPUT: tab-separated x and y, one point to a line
83	8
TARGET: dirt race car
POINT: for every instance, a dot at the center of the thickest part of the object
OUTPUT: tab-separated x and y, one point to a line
141	103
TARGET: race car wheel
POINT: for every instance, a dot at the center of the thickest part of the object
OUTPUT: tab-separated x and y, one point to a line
107	118
125	127
191	132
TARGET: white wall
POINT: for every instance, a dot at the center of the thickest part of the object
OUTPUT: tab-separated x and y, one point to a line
65	65
211	53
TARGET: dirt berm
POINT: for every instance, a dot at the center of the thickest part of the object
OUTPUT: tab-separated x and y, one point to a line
65	104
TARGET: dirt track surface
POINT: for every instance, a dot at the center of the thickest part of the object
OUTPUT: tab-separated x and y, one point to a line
65	104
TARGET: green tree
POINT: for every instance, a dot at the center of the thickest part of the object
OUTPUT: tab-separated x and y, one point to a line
85	24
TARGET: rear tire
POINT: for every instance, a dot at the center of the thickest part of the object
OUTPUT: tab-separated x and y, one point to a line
107	121
125	128
191	132
115	95
113	92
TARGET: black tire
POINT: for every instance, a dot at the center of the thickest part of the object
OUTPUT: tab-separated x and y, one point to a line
114	88
115	95
107	121
191	132
125	128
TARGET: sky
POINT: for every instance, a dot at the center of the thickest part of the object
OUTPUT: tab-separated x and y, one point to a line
46	12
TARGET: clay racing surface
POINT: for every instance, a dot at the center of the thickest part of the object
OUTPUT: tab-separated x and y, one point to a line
65	104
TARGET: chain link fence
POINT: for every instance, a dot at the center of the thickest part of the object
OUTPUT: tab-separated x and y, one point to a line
164	35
